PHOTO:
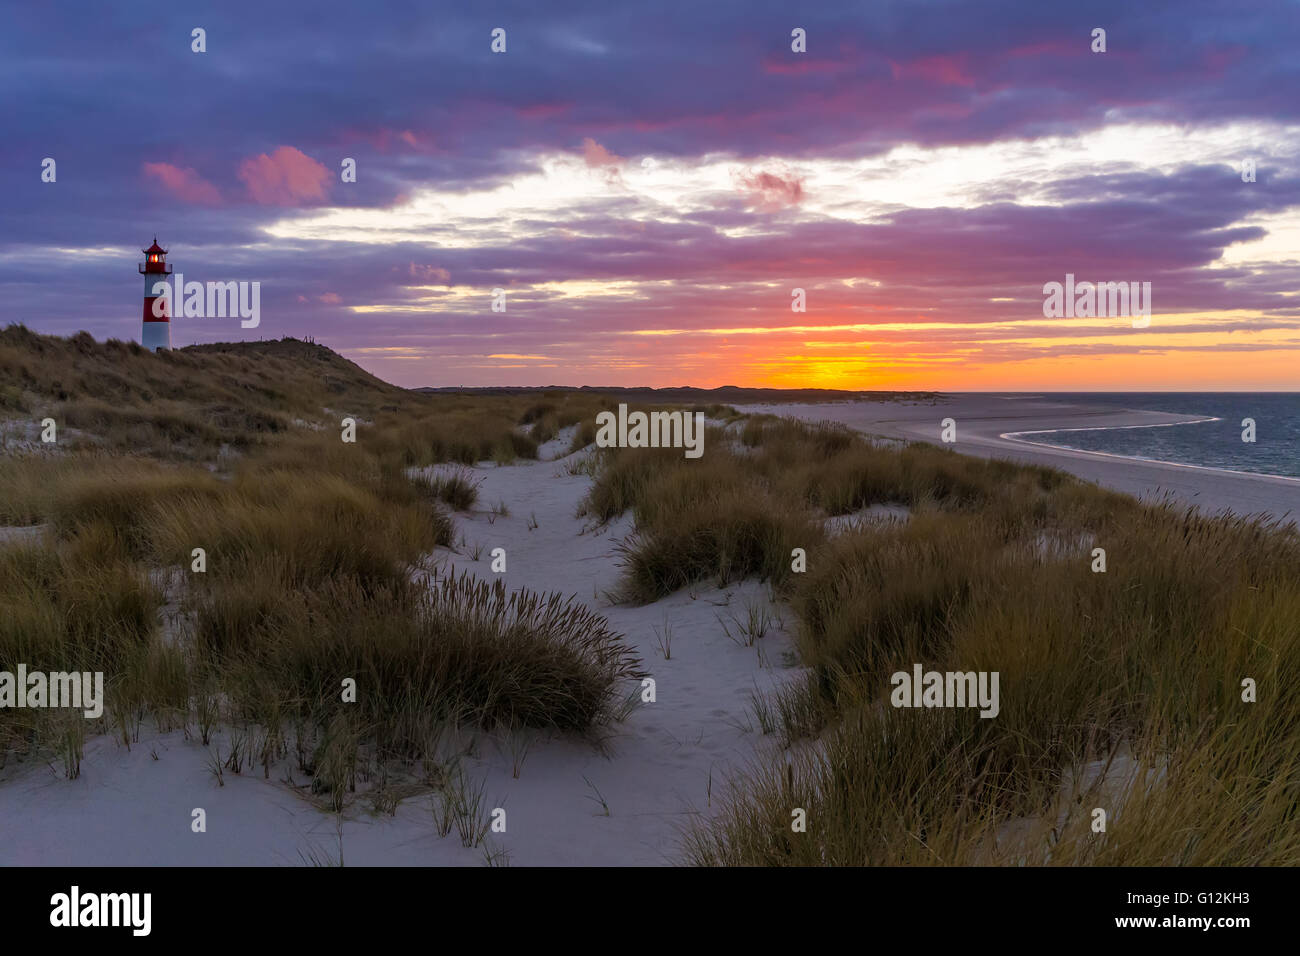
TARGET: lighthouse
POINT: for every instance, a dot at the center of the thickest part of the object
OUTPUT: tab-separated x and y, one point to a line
155	332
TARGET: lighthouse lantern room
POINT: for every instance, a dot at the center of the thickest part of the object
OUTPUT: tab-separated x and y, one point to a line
155	332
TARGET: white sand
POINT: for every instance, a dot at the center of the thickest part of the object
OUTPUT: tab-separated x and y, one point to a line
987	426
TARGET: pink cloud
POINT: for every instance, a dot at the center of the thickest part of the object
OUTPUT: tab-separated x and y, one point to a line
600	159
540	111
802	65
385	140
421	142
848	57
771	190
331	298
184	183
287	177
943	70
429	273
597	156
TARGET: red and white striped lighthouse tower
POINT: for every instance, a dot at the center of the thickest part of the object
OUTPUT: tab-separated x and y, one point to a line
156	332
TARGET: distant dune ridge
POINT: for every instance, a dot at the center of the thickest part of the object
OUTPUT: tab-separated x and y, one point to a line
729	394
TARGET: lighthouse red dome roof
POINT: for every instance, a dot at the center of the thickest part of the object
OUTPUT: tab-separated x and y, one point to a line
154	248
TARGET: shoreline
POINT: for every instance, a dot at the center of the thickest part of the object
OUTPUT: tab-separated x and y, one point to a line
1011	436
987	426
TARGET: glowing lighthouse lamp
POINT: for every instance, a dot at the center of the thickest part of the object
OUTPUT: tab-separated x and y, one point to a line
156	332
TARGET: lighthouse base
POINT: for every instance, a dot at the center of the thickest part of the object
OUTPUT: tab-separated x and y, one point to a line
156	335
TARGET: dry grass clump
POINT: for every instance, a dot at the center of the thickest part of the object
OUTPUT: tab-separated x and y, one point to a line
695	519
735	513
305	530
77	605
125	497
562	409
690	530
582	409
1120	690
168	429
453	431
457	487
841	472
368	680
32	483
462	650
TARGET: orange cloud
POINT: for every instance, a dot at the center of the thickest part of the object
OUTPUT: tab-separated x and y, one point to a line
184	183
287	177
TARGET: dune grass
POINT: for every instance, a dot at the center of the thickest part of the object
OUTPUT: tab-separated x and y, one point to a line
456	487
1120	690
307	580
462	649
557	410
699	519
288	566
78	606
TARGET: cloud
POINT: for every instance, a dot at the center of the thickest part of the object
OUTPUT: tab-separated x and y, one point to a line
771	190
541	111
1053	160
597	155
184	183
420	142
940	70
428	273
600	159
288	177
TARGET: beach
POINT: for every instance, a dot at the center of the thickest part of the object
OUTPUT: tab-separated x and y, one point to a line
995	426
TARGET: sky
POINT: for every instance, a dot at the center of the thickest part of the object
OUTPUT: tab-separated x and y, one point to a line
648	185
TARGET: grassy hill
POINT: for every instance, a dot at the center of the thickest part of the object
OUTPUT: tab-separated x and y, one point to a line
188	402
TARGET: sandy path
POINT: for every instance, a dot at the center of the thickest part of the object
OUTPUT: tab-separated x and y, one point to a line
986	425
668	758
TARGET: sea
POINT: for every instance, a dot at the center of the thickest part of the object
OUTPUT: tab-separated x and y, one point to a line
1212	444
